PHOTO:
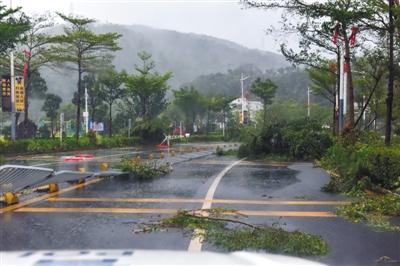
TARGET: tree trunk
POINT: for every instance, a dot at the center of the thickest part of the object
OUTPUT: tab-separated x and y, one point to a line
389	98
52	127
110	121
208	121
27	90
264	115
78	108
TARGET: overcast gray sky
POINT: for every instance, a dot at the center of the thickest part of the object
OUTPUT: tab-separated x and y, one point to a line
225	19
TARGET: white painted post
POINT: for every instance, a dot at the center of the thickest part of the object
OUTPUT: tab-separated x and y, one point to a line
86	113
61	126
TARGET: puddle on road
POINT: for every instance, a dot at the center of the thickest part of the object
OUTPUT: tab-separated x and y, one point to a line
252	182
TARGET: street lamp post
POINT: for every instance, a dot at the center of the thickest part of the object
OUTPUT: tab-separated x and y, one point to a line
308	102
12	76
242	78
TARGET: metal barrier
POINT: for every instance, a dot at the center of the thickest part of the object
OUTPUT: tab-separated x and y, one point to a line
14	178
65	176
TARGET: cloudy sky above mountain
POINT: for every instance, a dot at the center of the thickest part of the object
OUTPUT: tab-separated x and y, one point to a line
226	19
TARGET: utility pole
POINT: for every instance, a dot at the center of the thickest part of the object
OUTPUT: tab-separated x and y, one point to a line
12	76
308	102
242	78
341	93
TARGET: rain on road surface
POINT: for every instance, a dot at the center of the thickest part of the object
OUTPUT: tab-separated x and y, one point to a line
101	215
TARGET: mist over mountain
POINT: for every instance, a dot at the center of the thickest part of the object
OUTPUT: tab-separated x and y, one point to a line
292	82
186	55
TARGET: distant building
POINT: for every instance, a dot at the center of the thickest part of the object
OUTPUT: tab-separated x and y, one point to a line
250	108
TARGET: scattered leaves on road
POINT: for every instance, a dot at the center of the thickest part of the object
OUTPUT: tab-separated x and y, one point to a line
232	234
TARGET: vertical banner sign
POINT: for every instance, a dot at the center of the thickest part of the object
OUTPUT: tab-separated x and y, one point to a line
6	93
19	94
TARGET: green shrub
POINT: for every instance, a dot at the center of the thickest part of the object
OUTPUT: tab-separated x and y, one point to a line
84	142
300	139
351	163
383	166
219	151
243	151
142	170
94	138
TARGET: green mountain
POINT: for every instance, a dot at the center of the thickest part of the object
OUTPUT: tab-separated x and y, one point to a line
187	55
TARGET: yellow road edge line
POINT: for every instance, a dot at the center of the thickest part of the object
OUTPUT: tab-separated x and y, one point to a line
44	197
168	211
190	200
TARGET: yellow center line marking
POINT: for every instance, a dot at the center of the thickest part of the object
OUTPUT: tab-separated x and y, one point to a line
97	210
149	200
191	200
287	213
168	211
197	242
44	197
245	163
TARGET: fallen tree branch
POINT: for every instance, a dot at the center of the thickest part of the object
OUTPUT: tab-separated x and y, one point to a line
223	220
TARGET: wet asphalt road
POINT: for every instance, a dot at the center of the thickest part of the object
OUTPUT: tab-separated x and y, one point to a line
351	244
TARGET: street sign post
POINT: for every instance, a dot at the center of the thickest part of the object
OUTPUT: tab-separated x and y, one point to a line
19	94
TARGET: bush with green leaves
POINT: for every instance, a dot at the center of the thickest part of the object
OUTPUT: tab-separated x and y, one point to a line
142	170
348	164
301	140
383	166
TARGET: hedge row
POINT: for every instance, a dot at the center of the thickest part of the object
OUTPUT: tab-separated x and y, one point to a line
27	146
